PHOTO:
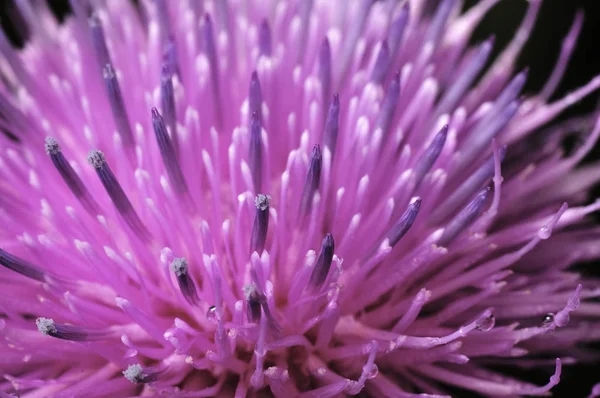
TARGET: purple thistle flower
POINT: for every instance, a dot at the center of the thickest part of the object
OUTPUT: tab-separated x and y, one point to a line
313	199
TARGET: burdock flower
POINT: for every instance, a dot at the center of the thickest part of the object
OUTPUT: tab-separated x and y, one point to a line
289	198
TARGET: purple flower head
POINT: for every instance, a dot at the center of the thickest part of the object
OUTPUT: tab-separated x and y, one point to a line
287	198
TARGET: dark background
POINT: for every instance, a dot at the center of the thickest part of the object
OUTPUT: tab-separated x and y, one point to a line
539	55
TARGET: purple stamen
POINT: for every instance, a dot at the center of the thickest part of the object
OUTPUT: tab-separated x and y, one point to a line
466	189
483	134
99	41
179	266
397	29
255	96
381	64
464	218
388	106
255	152
167	103
119	111
428	158
511	91
70	177
261	224
457	89
21	266
170	58
332	125
404	222
313	179
436	28
254	302
117	195
48	327
323	262
168	154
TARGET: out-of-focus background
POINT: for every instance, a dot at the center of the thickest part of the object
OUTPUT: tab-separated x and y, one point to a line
539	55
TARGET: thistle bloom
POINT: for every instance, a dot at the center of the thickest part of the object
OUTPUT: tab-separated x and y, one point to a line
297	198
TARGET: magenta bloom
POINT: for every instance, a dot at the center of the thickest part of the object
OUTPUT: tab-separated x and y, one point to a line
287	198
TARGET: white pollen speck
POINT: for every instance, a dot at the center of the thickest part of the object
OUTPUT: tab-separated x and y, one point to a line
102	220
297	75
71	211
34	180
164	183
54	82
139	131
46	125
44	241
87	132
46	209
154	30
239	305
28	240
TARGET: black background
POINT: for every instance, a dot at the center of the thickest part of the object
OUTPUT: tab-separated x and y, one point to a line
539	55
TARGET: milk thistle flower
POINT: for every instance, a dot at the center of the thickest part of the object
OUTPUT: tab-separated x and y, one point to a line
288	198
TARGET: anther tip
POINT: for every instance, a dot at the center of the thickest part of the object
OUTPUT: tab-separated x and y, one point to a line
45	325
96	158
328	240
415	202
250	291
179	266
316	151
134	373
262	201
51	145
155	113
